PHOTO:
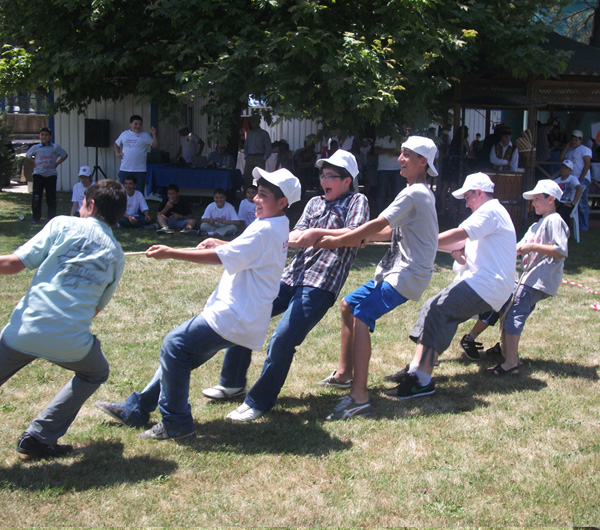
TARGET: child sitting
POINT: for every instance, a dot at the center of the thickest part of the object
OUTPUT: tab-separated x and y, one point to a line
79	265
85	181
571	191
219	217
247	209
237	313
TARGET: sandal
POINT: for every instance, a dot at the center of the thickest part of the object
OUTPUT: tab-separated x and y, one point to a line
498	370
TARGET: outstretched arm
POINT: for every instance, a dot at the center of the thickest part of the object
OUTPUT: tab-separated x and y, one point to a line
353	238
206	257
548	250
10	264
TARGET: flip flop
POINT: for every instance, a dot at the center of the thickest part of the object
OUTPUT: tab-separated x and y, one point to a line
498	370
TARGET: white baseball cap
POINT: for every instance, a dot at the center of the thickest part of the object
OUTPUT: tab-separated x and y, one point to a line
425	147
474	181
85	171
342	159
577	133
546	186
568	163
284	180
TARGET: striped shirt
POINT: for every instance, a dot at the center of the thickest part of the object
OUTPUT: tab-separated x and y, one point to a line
320	267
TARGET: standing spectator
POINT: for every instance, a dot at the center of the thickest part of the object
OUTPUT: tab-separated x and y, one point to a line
85	181
257	149
132	148
47	156
581	156
190	145
389	181
503	155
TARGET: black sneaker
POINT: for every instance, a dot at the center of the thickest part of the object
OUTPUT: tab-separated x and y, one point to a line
160	432
398	376
409	387
32	448
115	411
496	349
471	348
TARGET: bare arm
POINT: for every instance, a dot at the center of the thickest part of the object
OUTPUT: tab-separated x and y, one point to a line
453	239
118	152
74	208
204	256
309	237
354	237
578	192
10	264
587	162
154	137
548	250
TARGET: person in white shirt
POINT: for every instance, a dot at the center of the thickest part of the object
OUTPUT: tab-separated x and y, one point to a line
220	216
190	145
503	155
85	181
247	209
389	180
132	148
581	156
137	214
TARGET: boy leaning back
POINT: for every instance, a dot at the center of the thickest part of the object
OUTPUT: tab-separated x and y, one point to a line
403	273
237	313
79	264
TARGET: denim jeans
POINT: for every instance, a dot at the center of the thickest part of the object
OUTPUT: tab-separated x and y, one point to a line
304	307
584	205
184	349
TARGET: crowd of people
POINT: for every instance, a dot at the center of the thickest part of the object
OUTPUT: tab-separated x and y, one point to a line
79	264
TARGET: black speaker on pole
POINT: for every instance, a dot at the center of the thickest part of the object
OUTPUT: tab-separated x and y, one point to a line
96	133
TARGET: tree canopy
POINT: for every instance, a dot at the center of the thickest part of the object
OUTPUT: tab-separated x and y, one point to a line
382	62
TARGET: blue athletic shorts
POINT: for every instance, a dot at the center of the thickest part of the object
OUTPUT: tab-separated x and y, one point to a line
370	302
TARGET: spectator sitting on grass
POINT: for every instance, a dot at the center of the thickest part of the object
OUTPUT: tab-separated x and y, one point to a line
175	213
220	217
137	214
247	209
85	181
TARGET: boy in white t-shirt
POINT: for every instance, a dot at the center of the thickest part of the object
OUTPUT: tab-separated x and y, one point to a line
220	217
247	209
85	181
237	313
571	191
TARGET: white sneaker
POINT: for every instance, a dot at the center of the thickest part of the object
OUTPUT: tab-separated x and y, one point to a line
223	392
244	413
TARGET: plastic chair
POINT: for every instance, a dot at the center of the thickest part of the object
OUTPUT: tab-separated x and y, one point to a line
575	220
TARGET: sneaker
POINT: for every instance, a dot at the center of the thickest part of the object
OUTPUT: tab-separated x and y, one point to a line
165	230
160	432
496	349
409	387
471	348
331	381
32	448
115	411
223	392
398	376
245	413
347	408
187	230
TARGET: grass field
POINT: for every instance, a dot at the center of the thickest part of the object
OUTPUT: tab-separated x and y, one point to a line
482	451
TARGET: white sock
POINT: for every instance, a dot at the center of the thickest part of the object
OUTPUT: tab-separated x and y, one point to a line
423	378
413	367
472	335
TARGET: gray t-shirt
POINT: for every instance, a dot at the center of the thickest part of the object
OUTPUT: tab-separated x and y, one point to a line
408	264
545	273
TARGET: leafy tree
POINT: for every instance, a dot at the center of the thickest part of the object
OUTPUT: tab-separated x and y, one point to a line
384	62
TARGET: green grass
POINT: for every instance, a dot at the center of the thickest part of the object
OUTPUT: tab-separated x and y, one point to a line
482	451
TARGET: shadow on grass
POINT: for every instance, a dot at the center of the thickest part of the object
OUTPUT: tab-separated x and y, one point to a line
102	465
282	431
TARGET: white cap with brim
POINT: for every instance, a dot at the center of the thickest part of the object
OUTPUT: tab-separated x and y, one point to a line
577	133
425	147
342	159
284	180
85	171
547	186
475	181
568	163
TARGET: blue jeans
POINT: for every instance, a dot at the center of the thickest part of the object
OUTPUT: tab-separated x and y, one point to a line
304	307
584	205
184	349
140	177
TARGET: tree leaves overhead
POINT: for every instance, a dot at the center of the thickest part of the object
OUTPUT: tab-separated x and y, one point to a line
384	62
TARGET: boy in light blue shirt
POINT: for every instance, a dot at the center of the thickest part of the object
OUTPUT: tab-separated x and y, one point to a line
79	264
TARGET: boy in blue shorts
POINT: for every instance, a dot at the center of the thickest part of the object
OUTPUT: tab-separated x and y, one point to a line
237	313
79	264
403	273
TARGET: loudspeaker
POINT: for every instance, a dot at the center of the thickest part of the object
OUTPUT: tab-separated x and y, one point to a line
96	133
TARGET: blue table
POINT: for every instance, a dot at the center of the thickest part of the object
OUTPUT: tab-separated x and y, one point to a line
161	175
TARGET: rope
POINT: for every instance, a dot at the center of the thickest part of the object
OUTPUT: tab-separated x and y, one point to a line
143	252
595	307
